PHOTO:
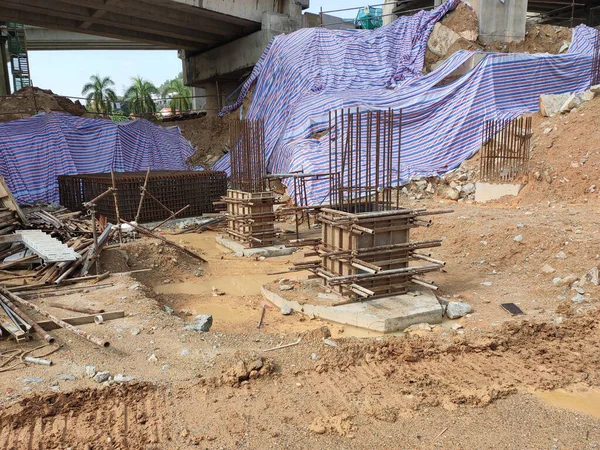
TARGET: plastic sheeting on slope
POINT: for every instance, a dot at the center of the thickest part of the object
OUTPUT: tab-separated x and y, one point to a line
34	151
441	125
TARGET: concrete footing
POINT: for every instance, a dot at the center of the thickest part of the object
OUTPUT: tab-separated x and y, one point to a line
240	250
485	192
386	315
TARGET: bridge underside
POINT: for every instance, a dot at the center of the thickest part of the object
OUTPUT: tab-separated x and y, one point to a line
180	24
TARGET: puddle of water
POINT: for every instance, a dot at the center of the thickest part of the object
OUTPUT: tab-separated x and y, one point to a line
230	285
587	402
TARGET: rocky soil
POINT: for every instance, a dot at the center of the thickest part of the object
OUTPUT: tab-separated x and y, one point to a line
458	30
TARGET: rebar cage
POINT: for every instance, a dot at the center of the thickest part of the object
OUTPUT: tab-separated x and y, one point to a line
505	149
364	159
247	155
175	189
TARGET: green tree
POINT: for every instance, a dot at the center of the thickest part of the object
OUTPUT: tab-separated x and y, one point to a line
139	96
99	94
180	95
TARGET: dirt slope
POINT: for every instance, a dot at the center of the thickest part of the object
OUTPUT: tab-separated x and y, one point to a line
32	100
565	158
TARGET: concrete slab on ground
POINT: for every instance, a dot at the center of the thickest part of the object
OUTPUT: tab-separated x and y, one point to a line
485	192
267	252
386	315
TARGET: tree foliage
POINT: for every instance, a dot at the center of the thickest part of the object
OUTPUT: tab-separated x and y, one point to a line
139	96
100	96
180	95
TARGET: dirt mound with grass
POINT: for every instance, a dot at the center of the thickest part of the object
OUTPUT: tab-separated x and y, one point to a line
30	101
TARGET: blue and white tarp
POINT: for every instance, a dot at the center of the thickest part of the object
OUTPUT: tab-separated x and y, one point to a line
34	151
304	75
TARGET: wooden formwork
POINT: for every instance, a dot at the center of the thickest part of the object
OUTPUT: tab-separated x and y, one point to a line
250	217
369	254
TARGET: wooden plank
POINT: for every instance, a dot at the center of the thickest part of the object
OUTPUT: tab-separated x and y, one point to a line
10	202
48	325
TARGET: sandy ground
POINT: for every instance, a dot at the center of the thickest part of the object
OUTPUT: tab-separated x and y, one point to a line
499	382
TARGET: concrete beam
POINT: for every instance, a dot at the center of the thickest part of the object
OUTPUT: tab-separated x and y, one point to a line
227	59
47	21
45	39
192	18
249	10
113	20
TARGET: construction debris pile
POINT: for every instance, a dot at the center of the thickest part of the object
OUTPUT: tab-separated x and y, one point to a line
50	251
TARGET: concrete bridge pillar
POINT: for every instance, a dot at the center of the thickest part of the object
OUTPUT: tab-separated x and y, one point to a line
501	20
219	70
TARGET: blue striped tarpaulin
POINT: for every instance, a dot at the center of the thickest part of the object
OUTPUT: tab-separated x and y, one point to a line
34	151
304	75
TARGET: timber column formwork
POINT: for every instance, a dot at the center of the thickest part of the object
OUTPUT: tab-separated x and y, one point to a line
250	214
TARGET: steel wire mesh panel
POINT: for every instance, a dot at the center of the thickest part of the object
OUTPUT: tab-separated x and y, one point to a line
175	189
505	149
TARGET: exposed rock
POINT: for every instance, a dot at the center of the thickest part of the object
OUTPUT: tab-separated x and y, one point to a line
286	310
561	255
547	269
202	322
518	238
441	39
573	101
564	47
550	104
101	377
120	378
593	277
62	376
33	380
468	188
450	193
587	96
455	310
90	371
240	371
566	281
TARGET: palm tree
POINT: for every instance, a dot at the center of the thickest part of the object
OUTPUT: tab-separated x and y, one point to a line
180	95
139	96
99	95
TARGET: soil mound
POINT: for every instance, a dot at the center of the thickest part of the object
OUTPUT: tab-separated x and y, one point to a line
30	101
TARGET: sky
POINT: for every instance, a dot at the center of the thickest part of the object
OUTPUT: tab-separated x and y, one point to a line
65	72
